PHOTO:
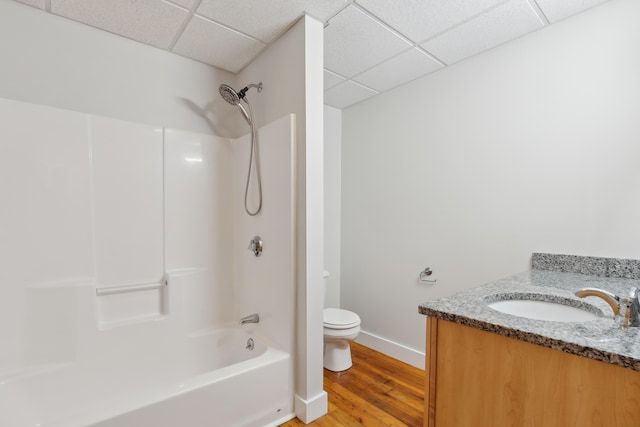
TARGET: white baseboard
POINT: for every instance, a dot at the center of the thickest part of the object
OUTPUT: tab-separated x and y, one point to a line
401	352
281	420
312	409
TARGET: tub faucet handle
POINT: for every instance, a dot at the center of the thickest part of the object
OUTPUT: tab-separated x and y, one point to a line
255	246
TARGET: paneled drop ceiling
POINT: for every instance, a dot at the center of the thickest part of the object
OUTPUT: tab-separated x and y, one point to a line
371	46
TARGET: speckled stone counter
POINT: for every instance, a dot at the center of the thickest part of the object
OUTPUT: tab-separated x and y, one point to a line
599	339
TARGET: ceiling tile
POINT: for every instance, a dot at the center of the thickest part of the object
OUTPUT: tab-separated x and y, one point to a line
265	20
400	69
35	3
494	27
216	45
346	94
555	10
420	20
355	42
153	22
331	79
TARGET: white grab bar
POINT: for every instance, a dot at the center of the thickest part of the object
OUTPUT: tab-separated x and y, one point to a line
112	290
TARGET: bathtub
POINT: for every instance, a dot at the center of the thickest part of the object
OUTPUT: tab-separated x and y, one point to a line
210	379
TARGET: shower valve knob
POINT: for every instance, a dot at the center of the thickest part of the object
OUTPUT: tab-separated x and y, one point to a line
255	246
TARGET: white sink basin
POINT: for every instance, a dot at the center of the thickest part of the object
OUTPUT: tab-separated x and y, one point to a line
544	310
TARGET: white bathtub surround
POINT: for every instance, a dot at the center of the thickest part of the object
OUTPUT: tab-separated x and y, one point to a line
127	212
266	284
45	235
100	204
199	239
126	165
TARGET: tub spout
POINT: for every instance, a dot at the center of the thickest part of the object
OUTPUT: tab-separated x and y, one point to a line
252	318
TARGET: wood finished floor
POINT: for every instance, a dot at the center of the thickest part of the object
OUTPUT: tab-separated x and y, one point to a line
376	391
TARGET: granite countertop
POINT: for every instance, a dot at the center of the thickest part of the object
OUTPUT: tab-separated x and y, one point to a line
599	339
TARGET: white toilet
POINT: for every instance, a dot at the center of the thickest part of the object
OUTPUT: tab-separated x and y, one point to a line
340	328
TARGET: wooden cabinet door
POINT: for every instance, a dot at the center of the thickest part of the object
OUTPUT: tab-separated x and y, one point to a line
477	378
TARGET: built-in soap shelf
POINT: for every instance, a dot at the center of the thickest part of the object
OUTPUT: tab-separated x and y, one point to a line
123	305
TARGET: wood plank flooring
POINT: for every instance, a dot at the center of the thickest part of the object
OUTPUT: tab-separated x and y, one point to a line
377	391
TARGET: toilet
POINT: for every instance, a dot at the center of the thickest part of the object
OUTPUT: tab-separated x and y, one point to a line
340	328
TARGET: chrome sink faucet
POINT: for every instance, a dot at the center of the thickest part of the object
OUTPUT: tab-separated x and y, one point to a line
252	318
626	310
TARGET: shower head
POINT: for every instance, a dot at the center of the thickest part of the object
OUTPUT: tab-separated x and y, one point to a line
229	94
232	97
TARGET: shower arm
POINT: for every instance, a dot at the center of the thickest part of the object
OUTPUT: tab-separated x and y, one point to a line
242	93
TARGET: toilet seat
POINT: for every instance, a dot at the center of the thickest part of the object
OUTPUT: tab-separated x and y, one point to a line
336	318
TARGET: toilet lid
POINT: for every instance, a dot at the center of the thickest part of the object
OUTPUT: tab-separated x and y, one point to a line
336	318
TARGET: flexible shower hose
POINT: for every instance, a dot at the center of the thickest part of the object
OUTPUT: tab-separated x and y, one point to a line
254	149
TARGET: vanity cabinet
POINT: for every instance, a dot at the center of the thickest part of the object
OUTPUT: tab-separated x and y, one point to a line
479	378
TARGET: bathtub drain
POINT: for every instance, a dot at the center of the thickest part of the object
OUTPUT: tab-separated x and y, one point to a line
250	344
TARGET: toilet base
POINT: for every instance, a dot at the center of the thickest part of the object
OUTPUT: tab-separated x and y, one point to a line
337	356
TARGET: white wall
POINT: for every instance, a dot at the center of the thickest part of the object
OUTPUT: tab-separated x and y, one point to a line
291	72
332	193
532	146
53	61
